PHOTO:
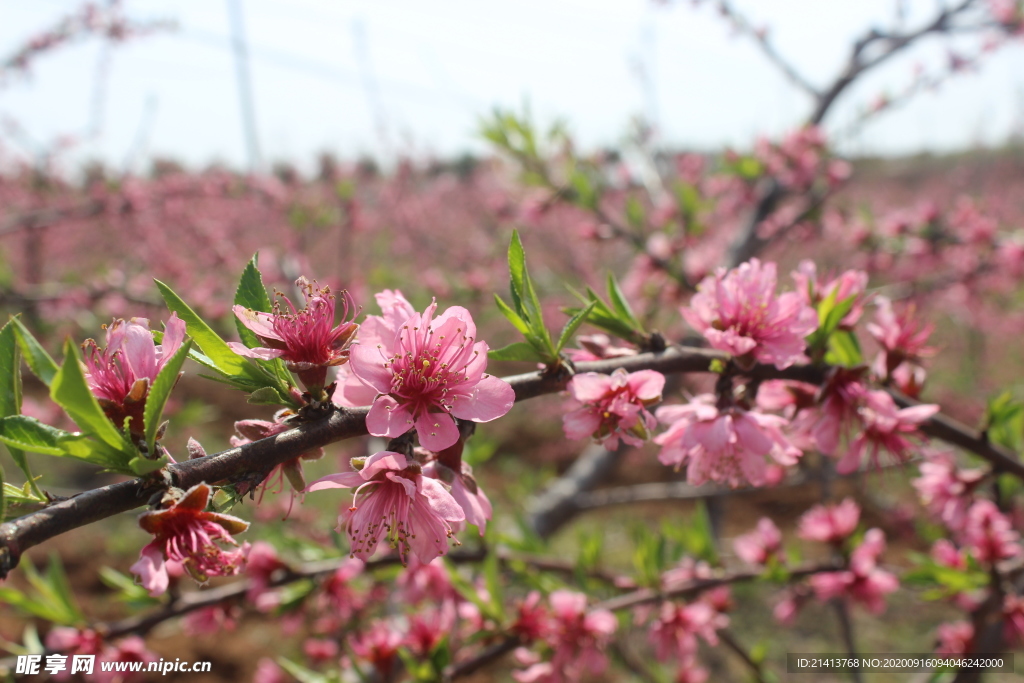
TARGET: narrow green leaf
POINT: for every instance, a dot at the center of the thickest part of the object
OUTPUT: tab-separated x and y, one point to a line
492	579
10	391
603	317
159	392
3	498
39	361
574	324
223	359
10	372
21	496
621	306
512	316
517	273
70	391
58	579
515	351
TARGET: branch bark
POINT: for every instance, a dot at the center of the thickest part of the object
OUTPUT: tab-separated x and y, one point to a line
20	534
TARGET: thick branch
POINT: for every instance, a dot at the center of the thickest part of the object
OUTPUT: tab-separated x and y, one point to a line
19	535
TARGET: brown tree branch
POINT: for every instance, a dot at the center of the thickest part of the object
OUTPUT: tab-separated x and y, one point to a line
19	535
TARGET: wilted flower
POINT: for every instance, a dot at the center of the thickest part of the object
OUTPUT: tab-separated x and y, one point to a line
613	406
254	430
121	374
414	512
428	373
186	533
307	341
738	311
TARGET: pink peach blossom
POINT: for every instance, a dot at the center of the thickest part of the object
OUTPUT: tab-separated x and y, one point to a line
728	445
307	341
864	581
120	375
738	311
466	492
428	373
761	544
830	524
945	489
414	512
885	428
989	534
613	407
674	633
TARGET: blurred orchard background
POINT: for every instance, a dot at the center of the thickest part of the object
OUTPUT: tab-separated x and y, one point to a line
397	144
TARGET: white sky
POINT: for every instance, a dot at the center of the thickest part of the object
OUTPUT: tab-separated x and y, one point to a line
372	77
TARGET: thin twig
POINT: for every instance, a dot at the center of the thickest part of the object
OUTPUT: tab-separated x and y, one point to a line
756	668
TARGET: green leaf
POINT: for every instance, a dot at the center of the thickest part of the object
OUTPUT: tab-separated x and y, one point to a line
843	349
838	312
572	325
10	392
525	302
70	391
516	351
492	580
39	361
251	294
128	591
22	496
586	195
29	434
517	273
3	498
621	306
513	317
221	357
469	592
267	396
1004	421
10	372
636	216
159	392
50	598
141	466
